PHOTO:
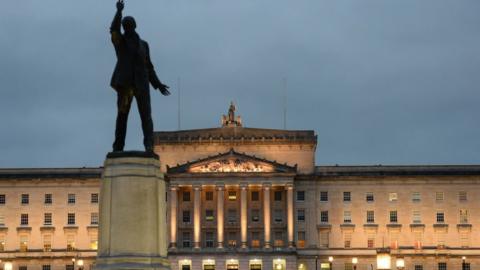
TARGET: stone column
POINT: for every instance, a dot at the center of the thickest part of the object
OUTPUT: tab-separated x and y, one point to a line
243	215
197	216
290	219
173	216
220	216
133	228
266	216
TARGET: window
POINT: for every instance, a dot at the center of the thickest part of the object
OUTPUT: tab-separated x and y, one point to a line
186	196
186	216
394	240
371	241
47	243
2	243
255	213
301	239
442	266
465	239
24	219
255	240
278	215
300	196
463	216
232	215
46	267
71	198
209	215
324	239
232	195
347	196
186	239
69	267
23	243
324	216
209	195
278	236
301	215
324	196
232	239
370	217
2	220
347	243
47	219
440	217
22	267
348	266
347	217
466	266
417	240
70	242
94	242
393	216
255	196
418	267
48	199
94	198
71	219
392	197
462	196
416	197
25	199
416	217
369	197
439	196
2	199
278	196
94	218
209	239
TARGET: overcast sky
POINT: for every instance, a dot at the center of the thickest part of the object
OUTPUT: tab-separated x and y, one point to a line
381	82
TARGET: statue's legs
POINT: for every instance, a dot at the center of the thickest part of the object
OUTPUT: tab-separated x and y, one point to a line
143	103
124	102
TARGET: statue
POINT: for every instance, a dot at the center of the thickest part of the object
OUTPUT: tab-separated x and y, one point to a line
231	120
131	77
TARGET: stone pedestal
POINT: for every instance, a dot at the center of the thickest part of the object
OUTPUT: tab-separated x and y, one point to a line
133	229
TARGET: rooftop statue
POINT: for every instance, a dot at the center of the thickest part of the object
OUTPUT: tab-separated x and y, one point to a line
133	74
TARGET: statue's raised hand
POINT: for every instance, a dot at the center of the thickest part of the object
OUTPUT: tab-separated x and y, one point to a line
120	5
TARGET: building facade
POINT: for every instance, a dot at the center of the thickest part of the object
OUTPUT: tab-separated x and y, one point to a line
247	198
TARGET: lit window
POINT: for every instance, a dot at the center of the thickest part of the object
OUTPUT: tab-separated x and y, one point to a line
278	239
209	215
369	197
25	198
2	199
393	216
2	243
94	243
71	198
232	239
255	215
324	216
301	215
347	196
23	243
255	240
255	196
370	217
301	239
278	215
209	196
70	242
24	219
324	196
417	240
347	240
71	218
416	197
47	243
371	241
186	240
463	216
440	217
347	217
186	196
186	216
232	195
439	196
300	196
462	196
94	218
278	195
48	199
416	217
47	219
94	198
209	239
442	266
392	196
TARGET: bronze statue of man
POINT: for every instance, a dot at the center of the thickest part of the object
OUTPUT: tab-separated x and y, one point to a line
133	73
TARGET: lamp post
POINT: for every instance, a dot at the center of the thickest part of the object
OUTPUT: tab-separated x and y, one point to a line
316	262
330	261
464	266
354	261
73	263
400	264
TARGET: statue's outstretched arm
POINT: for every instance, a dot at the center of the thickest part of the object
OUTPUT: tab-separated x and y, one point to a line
115	28
152	75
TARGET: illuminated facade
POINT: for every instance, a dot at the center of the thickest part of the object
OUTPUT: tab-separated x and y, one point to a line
246	198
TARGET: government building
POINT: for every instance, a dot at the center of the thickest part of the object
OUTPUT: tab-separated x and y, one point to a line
254	199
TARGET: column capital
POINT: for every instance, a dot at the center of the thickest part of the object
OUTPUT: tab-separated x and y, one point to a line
219	186
267	186
289	186
243	185
197	187
173	187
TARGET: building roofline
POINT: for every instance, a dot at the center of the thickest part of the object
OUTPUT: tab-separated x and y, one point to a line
31	173
385	170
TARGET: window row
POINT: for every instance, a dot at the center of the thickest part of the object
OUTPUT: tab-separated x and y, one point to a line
232	195
440	266
48	219
232	215
47	242
392	196
392	216
48	198
255	239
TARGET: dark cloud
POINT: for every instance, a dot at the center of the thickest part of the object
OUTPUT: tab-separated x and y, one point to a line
391	82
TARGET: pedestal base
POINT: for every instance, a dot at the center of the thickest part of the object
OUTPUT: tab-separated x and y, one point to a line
133	229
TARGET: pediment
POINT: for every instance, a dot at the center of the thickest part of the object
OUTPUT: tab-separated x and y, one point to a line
232	162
